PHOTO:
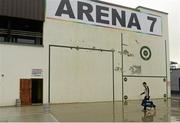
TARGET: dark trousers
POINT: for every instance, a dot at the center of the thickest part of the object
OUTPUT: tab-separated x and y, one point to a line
144	101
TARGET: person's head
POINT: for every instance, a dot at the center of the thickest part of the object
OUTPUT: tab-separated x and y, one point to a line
144	84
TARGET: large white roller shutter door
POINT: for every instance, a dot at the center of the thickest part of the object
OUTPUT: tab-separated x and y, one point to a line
78	75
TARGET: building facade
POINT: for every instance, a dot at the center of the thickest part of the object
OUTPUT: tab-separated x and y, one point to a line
81	51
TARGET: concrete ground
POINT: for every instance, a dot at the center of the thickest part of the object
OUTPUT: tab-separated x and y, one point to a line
87	112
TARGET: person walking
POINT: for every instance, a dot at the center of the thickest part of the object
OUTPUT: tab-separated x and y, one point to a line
146	93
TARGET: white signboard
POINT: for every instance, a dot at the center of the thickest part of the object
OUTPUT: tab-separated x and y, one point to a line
102	14
37	72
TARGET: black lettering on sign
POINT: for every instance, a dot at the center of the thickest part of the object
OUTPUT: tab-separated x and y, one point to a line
133	21
61	9
87	11
153	23
99	14
116	16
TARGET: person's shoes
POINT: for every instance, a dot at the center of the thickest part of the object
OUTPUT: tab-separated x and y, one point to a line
154	106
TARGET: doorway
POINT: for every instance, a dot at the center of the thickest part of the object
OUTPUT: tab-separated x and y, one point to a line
37	91
31	91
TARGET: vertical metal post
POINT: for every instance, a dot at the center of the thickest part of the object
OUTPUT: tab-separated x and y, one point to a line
166	69
122	76
167	102
113	86
49	74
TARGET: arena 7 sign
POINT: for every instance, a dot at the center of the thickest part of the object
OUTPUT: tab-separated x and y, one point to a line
102	14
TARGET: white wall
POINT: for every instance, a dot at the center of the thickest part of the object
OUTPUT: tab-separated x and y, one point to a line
17	62
59	32
152	71
157	87
165	37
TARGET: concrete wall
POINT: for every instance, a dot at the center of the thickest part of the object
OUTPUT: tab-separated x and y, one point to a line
17	63
138	70
165	37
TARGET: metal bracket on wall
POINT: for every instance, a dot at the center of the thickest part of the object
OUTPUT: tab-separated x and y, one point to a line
125	79
125	100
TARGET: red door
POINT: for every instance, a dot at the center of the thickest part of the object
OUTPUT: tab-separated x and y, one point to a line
25	91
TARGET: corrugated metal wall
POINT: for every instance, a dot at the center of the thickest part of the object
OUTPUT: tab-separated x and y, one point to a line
29	9
175	76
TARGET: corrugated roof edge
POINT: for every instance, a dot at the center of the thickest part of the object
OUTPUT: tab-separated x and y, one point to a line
151	9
